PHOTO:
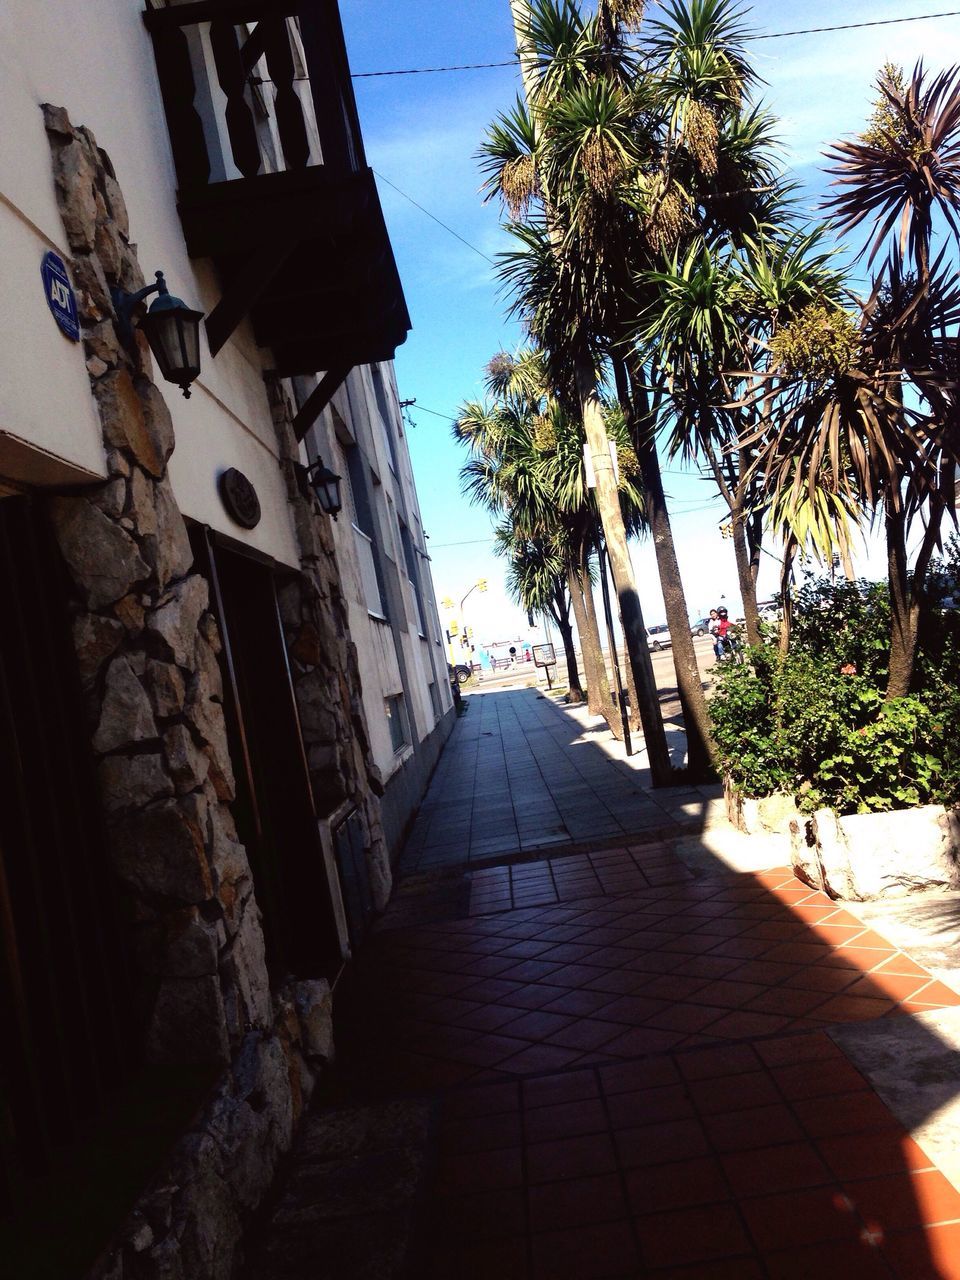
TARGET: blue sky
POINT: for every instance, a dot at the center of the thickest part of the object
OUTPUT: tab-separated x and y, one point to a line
421	134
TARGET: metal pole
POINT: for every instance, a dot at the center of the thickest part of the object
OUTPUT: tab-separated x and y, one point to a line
608	615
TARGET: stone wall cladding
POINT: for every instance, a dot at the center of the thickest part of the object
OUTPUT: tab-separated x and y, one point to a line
326	673
148	648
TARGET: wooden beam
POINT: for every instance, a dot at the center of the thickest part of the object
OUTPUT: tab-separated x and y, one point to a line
245	287
318	399
187	15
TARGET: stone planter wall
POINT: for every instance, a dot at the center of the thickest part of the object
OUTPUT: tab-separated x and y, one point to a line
871	855
862	855
148	648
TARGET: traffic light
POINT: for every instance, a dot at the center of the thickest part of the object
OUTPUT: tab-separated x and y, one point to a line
446	602
454	627
481	584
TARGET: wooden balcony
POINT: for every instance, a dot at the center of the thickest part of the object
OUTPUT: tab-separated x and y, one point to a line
272	180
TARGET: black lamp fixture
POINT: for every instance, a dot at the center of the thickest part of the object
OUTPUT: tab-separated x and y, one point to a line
323	483
170	326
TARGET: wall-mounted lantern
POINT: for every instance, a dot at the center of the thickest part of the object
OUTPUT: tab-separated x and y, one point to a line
171	328
323	483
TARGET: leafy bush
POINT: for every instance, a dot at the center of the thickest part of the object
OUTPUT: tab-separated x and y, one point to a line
815	723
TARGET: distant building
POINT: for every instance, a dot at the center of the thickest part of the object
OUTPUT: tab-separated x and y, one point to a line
209	747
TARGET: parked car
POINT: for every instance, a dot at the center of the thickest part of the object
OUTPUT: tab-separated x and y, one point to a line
701	627
658	637
461	673
769	612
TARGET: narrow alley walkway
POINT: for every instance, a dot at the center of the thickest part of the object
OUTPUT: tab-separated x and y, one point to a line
613	1054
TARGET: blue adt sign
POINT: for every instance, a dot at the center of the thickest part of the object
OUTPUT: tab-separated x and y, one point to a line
60	296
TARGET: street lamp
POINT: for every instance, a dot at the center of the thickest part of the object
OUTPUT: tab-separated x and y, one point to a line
170	326
325	485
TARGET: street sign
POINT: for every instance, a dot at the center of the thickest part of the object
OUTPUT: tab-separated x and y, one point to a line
544	655
59	293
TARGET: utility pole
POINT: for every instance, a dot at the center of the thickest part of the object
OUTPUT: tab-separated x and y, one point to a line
608	498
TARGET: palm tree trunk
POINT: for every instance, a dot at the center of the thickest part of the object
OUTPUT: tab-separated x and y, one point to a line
615	538
561	616
786	576
847	561
907	591
748	586
599	701
693	704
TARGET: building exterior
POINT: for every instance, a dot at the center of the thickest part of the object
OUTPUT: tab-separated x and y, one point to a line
387	588
192	838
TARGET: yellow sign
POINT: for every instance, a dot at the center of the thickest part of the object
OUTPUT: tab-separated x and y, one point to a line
454	627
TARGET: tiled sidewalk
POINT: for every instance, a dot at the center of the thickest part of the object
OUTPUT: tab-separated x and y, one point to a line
769	1159
518	774
615	977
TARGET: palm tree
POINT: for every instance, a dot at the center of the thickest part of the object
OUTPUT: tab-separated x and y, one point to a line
537	581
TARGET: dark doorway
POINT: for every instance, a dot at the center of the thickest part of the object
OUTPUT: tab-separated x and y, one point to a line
275	810
66	1034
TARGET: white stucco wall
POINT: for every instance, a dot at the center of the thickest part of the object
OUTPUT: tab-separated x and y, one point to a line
95	58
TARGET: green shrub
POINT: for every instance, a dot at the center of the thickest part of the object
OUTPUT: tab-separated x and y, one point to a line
816	724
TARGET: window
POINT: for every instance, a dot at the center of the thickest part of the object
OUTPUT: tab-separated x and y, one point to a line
413	577
396	720
435	700
363	531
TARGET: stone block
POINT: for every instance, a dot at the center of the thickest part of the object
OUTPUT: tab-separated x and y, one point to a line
75	175
131	421
126	717
187	763
95	638
160	850
104	560
187	1025
314	1005
175	622
167	688
180	944
129	782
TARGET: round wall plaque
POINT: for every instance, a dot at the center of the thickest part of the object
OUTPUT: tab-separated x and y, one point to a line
239	498
58	291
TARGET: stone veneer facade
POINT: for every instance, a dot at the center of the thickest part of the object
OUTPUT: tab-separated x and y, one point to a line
148	649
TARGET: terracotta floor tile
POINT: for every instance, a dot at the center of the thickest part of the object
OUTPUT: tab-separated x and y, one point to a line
586	1034
489	1215
801	1048
890	986
902	1200
655	1144
627	1077
570	1086
756	1127
677	1185
672	986
686	1018
733	1093
535	1026
557	1205
901	963
565	1120
843	1113
709	966
721	1061
745	948
589	1251
642	1040
836	934
487	1017
570	1158
479	1171
695	1234
730	1269
790	1002
838	1260
481	1133
864	1155
632	1010
479	1260
577	1003
851	1008
821	977
870	938
937	993
772	1169
486	1100
649	1106
728	994
815	1079
814	913
539	1057
804	1216
932	1254
862	958
744	1023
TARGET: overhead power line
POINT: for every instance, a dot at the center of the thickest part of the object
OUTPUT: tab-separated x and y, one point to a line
437	220
761	35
